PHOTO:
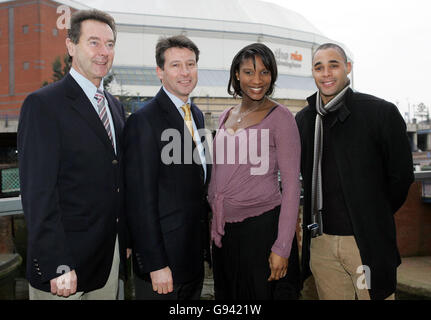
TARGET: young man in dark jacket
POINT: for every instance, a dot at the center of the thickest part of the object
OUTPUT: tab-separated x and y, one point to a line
357	169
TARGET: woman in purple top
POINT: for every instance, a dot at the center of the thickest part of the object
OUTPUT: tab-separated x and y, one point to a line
253	228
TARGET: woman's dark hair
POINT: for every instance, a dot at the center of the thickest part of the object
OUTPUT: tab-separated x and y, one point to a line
250	52
179	41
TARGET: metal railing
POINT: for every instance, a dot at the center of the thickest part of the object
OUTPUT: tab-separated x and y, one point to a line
9	182
10	200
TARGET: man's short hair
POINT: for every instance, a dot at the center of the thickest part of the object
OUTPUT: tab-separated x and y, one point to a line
250	52
74	33
332	46
179	41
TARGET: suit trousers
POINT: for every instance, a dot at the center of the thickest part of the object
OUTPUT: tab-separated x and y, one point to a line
337	269
183	291
107	292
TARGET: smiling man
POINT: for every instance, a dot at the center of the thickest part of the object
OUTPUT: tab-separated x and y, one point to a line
71	170
166	204
357	168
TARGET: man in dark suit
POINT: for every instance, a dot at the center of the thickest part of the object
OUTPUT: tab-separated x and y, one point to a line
166	181
70	163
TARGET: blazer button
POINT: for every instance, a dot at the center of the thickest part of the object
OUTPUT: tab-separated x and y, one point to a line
114	162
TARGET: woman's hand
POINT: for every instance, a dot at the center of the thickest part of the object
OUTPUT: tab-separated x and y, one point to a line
278	266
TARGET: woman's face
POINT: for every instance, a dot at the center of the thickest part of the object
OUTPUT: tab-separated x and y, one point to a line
254	82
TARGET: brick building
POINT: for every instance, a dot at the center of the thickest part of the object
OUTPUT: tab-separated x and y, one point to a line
29	43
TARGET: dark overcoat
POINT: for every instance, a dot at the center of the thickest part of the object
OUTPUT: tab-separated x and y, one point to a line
374	163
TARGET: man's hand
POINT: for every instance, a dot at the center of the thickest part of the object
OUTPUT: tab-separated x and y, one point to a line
278	266
129	252
64	285
162	281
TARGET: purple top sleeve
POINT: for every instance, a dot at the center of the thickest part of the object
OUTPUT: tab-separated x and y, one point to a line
288	153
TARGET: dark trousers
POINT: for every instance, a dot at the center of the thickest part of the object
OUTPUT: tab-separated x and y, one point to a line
184	291
241	267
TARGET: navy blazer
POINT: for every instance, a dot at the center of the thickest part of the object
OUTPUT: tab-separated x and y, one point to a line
71	185
166	204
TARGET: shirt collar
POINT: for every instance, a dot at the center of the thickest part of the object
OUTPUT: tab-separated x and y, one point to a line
175	100
87	86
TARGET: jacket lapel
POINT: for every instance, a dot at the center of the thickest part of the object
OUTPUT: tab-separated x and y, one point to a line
198	120
200	124
176	121
344	111
80	103
117	119
172	116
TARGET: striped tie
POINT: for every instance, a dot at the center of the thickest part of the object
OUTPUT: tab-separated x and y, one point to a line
188	118
100	97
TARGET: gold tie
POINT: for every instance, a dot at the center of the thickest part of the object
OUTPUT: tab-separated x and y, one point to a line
188	118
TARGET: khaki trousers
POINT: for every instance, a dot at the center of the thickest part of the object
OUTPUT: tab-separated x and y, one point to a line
108	292
337	269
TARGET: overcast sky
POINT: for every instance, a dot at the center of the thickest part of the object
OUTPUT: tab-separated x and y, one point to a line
390	41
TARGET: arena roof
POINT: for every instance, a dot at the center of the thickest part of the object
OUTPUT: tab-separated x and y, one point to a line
228	16
246	11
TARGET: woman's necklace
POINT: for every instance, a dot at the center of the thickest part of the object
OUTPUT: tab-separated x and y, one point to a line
245	113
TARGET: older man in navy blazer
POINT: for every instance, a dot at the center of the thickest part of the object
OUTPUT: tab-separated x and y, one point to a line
70	162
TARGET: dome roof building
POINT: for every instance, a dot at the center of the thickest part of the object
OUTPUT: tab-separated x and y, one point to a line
220	28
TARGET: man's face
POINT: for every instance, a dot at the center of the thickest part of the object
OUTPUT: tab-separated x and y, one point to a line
94	53
330	73
180	73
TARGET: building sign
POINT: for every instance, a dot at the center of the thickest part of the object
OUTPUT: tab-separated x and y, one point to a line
292	60
288	59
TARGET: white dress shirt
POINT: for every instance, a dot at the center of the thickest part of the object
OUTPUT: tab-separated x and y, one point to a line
90	91
178	104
